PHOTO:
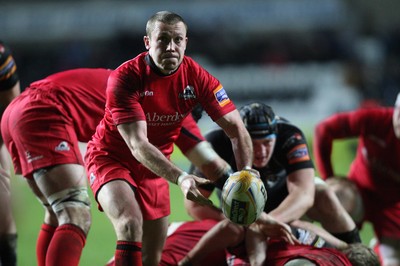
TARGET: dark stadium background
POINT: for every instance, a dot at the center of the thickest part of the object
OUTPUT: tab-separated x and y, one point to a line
306	58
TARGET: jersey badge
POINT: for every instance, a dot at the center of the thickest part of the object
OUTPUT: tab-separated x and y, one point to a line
188	93
298	154
221	96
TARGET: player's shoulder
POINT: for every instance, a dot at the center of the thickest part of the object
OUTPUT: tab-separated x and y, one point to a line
286	128
142	60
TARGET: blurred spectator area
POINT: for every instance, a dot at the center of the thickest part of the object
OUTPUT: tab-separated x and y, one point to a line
321	56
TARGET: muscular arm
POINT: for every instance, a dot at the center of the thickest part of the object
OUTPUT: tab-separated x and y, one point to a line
301	189
201	212
135	136
338	126
242	146
318	230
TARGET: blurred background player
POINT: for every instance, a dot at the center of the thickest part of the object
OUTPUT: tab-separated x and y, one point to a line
281	156
41	129
9	89
372	190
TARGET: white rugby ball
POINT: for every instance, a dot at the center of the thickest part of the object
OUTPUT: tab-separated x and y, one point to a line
243	197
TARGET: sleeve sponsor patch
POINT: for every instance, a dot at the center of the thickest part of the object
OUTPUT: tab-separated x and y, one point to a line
221	96
298	154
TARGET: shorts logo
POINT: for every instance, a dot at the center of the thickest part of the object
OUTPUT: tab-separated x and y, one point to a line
62	146
221	96
92	178
30	158
188	93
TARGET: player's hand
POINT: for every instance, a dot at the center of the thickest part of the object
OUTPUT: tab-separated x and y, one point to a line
273	228
188	186
254	171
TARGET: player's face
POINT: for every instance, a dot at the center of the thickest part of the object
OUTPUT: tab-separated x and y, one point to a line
167	45
396	121
263	149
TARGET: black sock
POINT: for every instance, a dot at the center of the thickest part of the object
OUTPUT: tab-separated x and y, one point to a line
8	250
349	237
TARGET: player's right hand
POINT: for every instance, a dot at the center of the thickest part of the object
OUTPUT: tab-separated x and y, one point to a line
189	189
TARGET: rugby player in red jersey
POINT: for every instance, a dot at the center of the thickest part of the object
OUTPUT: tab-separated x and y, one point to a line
372	190
128	158
41	129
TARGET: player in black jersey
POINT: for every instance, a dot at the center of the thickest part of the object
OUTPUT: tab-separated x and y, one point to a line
282	157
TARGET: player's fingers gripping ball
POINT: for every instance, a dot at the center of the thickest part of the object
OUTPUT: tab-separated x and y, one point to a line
243	197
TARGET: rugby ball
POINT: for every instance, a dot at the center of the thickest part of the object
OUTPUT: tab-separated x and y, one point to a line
243	197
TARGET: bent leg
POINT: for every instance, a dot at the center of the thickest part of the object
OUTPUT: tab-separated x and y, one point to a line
64	189
331	214
154	235
8	231
117	198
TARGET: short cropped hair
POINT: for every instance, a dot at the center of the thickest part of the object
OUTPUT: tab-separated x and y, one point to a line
166	17
360	255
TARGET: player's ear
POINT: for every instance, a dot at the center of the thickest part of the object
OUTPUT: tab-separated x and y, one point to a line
146	40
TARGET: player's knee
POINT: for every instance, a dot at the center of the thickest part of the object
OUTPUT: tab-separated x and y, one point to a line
325	199
129	228
72	205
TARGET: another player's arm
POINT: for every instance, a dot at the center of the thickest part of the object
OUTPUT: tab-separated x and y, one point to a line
338	126
322	145
301	187
201	212
135	136
242	146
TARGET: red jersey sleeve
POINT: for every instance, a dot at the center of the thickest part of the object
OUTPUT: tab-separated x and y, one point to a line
214	99
340	126
123	94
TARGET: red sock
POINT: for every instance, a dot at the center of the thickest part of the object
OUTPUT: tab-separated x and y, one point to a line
45	234
66	246
128	253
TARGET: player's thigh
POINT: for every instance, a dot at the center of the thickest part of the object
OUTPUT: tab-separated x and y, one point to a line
57	178
154	235
117	199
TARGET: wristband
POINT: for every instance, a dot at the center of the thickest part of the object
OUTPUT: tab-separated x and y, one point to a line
180	178
248	168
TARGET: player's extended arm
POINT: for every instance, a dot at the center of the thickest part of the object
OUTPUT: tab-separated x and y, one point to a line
322	145
135	136
301	187
201	212
223	235
242	146
321	232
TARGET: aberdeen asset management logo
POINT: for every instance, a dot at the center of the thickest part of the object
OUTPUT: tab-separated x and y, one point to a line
188	93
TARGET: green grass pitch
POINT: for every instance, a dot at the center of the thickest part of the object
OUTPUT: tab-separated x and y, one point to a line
101	240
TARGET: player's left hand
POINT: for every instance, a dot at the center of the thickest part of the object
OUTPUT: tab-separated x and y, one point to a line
273	228
190	190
